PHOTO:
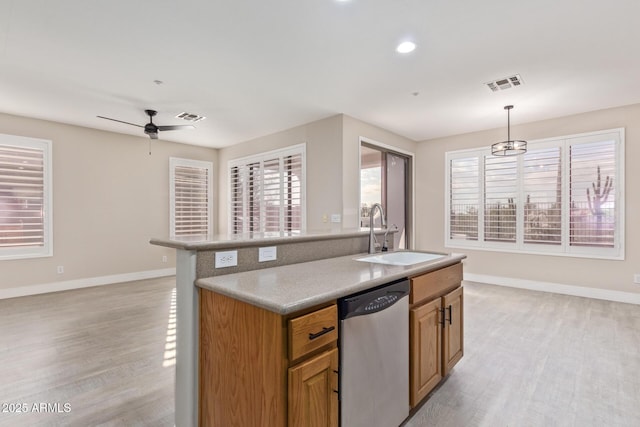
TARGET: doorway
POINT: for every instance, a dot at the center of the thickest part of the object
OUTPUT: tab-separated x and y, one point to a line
385	178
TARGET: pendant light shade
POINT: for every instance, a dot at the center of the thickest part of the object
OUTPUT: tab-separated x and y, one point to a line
509	147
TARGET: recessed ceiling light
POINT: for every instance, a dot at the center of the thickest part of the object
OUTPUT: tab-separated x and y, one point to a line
406	47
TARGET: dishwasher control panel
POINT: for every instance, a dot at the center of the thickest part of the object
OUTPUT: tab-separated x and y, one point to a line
381	302
373	300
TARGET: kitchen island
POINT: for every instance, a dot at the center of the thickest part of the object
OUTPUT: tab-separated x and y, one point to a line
299	284
291	288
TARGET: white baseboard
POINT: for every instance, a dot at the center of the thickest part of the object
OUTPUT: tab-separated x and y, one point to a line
67	285
558	288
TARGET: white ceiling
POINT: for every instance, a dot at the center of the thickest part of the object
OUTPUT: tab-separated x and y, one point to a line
260	66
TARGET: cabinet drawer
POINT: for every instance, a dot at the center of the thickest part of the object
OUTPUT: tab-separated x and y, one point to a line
435	283
312	331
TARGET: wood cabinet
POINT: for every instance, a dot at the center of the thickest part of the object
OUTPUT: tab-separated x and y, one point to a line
425	350
313	383
313	392
436	329
259	368
453	331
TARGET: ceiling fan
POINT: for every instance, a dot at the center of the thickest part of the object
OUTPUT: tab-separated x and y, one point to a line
151	128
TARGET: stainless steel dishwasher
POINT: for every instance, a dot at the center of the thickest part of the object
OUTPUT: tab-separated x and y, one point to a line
374	356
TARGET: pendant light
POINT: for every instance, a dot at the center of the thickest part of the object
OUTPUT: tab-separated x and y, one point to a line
509	147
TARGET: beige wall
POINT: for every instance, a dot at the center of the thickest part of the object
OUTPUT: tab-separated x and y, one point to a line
604	274
323	140
333	174
109	198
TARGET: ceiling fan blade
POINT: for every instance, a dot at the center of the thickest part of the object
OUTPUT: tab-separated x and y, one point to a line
176	127
153	135
119	121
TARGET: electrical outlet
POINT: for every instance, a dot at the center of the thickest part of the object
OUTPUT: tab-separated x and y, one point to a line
164	258
325	218
636	278
226	259
267	254
60	269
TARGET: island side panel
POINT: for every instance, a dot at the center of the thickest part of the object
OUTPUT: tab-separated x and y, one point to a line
186	386
243	364
288	252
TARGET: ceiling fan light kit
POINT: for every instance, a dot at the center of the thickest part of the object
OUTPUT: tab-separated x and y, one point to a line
150	128
509	147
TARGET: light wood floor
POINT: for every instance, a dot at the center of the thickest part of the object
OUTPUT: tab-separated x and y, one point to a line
541	359
531	359
107	351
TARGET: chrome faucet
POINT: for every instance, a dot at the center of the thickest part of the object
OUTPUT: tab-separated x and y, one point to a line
372	237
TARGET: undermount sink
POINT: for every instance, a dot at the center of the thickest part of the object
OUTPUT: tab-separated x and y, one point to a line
400	258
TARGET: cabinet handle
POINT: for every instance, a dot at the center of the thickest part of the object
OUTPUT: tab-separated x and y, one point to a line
450	316
321	333
442	315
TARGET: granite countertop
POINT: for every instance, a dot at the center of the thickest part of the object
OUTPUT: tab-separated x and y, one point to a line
290	288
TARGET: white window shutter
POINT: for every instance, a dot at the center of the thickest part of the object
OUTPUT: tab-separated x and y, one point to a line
500	198
25	197
593	195
266	193
191	202
464	198
293	204
565	196
21	196
542	189
272	202
237	203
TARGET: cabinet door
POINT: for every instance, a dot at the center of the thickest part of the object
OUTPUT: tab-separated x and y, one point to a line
453	333
313	397
425	349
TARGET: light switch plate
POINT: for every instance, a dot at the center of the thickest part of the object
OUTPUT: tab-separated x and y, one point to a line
267	254
226	259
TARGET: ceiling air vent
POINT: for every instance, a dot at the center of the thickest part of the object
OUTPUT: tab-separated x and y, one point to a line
190	117
505	83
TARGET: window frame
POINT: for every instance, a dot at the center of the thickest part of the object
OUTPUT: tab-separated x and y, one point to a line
298	149
201	164
46	250
617	252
